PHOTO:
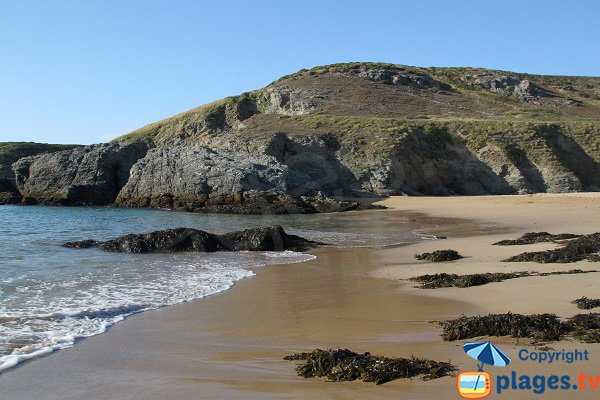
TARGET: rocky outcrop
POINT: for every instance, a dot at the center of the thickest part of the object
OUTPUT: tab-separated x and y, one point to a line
286	100
203	180
10	152
90	175
268	238
521	89
438	163
403	78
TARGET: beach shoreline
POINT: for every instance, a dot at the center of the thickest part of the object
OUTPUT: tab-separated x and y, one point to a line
230	345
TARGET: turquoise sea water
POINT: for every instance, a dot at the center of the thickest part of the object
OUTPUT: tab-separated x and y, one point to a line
50	296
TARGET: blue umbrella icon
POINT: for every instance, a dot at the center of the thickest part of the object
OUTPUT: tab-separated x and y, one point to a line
487	353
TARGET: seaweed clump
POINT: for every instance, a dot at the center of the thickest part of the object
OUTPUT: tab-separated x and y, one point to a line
536	237
345	365
439	256
541	327
586	327
569	272
544	327
586	304
435	281
581	248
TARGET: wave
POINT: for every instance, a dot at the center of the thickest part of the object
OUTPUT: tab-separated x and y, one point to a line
50	322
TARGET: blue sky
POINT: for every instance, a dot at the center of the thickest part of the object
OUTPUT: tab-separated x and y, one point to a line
87	71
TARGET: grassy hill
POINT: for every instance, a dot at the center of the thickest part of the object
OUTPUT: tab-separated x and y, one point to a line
374	105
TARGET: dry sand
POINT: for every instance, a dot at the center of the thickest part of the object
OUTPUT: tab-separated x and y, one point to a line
229	346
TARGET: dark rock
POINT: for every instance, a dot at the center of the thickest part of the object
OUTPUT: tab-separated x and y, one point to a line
345	365
581	248
268	238
8	193
83	244
439	256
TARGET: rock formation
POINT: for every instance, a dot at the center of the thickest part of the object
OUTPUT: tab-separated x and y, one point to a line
267	238
90	175
10	152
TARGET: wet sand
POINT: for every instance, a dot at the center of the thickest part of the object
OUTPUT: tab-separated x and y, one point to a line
230	345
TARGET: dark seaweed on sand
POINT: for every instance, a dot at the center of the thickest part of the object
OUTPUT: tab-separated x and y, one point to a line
441	280
435	281
569	272
586	304
439	256
581	248
541	327
536	237
345	365
586	327
536	326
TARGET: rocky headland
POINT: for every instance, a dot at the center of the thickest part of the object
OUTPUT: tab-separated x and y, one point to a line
332	139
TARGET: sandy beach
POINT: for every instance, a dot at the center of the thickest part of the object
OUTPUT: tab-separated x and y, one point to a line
230	345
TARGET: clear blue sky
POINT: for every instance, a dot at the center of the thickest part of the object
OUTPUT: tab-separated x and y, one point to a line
87	71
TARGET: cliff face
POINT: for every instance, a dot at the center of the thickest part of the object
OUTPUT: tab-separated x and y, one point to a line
359	129
90	175
10	152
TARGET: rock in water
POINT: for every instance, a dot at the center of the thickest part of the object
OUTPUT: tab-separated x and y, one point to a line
266	238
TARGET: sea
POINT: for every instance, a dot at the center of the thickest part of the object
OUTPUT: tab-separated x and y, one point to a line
52	296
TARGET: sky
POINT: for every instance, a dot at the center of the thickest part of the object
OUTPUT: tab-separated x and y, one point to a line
87	71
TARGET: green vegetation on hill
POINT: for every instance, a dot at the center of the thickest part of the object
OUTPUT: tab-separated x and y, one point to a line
360	93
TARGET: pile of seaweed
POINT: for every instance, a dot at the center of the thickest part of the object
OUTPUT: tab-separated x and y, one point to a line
435	281
581	248
345	365
536	237
540	327
439	256
586	327
441	280
569	272
537	326
586	304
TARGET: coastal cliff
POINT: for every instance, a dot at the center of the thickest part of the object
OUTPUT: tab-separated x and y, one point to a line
10	152
359	130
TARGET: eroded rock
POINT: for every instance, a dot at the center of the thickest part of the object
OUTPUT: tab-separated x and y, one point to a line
267	238
90	175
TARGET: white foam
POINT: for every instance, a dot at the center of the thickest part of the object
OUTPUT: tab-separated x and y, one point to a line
45	316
